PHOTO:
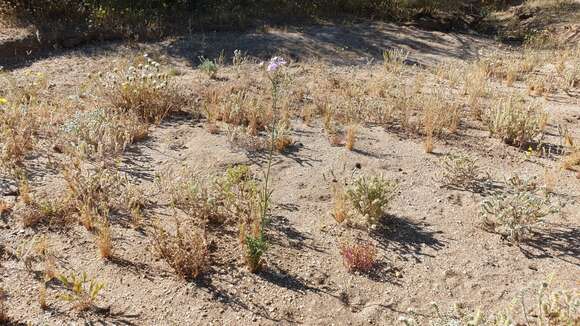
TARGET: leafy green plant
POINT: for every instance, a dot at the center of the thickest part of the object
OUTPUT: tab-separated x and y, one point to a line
370	196
209	67
256	246
81	290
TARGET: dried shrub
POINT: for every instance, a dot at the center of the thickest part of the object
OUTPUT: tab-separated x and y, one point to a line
516	122
101	133
358	257
371	196
459	170
142	89
186	251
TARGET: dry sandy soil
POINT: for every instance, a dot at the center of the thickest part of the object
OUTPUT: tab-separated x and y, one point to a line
431	249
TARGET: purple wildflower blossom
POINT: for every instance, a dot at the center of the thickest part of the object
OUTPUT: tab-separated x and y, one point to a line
275	63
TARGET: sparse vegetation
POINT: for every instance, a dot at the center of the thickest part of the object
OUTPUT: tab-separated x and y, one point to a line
516	122
209	67
173	177
81	291
185	251
142	89
551	306
515	212
371	196
459	170
358	257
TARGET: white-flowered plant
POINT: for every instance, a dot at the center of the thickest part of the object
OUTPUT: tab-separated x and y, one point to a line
371	196
142	89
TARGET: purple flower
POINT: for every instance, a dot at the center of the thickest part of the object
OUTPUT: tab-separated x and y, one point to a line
275	63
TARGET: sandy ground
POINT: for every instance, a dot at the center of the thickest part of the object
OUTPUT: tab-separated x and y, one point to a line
432	248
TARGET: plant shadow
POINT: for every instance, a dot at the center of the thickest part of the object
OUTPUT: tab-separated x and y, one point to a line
406	238
554	241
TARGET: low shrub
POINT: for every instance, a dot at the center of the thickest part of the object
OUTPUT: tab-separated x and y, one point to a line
186	251
101	133
209	67
370	196
459	170
515	212
142	89
358	257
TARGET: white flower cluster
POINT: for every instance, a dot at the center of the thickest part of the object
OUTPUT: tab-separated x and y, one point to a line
148	74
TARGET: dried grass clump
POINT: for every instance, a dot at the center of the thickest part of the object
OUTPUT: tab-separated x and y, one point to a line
101	133
4	318
186	251
350	137
19	125
105	239
200	198
394	60
515	121
44	210
142	89
92	191
459	170
439	115
340	199
571	160
358	257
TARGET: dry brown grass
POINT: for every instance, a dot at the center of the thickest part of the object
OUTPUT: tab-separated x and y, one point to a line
42	297
515	120
186	251
571	160
92	191
340	199
4	318
143	89
350	137
105	240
